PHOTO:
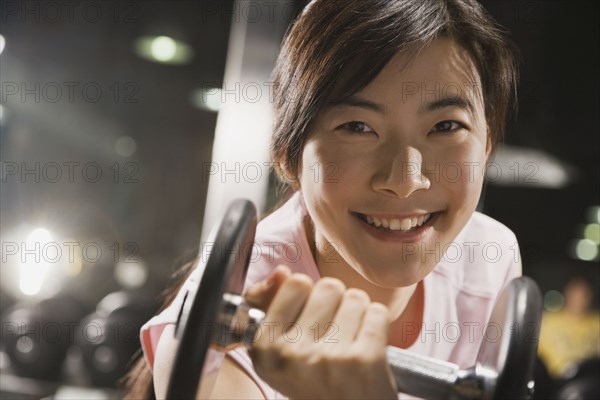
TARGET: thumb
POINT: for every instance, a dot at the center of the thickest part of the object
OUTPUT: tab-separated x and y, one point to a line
261	293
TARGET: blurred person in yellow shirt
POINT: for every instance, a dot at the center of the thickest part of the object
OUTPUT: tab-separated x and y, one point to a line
572	334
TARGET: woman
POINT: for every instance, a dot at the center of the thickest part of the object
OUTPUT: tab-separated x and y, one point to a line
386	112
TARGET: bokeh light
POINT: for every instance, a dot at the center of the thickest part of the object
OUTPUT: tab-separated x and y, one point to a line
554	300
163	49
208	99
125	146
35	263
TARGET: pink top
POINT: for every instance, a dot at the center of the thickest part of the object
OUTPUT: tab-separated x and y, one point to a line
459	293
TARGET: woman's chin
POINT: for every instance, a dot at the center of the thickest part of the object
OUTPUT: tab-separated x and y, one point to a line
395	278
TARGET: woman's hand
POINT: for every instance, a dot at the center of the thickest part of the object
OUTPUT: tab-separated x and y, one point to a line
321	340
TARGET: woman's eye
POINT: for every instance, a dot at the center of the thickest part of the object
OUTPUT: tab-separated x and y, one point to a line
357	127
447	126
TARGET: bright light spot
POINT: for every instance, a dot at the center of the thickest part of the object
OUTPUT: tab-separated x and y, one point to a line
1	112
2	43
520	166
554	300
34	269
29	285
593	214
80	392
131	275
125	146
39	235
163	49
74	262
592	232
207	98
585	249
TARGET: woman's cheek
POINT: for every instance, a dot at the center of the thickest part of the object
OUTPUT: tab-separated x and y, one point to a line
330	167
464	176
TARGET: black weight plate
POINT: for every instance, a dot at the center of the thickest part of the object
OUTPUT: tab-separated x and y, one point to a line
225	271
510	341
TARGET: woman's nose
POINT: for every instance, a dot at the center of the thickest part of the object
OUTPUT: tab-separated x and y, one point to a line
400	174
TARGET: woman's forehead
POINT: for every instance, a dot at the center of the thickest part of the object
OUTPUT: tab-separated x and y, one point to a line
442	69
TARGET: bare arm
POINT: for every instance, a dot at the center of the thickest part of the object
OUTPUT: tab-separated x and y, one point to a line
232	381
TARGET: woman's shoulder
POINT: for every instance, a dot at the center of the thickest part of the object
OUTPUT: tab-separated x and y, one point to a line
482	258
481	226
285	220
281	239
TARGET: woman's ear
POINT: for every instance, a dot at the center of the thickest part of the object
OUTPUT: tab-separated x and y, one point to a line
488	142
287	175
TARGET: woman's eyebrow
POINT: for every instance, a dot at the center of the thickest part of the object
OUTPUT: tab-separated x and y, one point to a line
449	101
355	101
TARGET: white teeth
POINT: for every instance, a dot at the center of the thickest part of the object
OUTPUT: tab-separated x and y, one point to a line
405	224
396	224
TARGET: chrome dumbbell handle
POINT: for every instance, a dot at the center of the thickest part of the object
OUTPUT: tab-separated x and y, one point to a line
431	378
415	374
237	323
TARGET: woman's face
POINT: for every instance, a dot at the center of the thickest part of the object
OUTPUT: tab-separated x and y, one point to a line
409	149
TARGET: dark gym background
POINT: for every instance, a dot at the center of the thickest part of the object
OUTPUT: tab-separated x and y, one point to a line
150	136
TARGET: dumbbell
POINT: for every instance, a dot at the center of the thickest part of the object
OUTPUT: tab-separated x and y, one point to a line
214	319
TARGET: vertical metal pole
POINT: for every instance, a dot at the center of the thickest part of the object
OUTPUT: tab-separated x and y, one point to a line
244	125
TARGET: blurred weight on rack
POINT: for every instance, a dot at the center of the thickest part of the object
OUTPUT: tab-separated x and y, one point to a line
581	381
36	336
109	336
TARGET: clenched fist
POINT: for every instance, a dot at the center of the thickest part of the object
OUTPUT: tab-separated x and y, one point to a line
321	340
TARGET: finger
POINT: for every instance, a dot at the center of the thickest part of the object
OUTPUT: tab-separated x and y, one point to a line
373	332
261	294
287	304
321	307
347	321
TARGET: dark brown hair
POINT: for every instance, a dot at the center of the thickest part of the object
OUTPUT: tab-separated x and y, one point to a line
336	48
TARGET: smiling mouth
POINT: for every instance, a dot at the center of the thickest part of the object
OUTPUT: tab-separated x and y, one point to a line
396	224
